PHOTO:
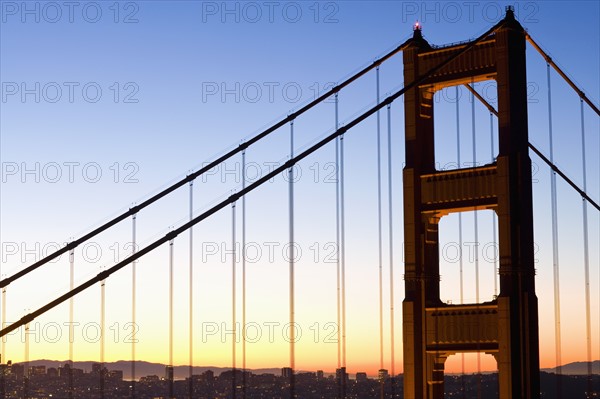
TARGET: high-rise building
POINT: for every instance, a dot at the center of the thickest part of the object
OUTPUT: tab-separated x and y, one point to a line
286	372
383	375
361	377
208	375
18	370
64	371
340	374
320	375
115	374
169	373
96	369
37	370
149	379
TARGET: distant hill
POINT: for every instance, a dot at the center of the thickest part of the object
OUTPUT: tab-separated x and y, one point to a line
577	368
146	368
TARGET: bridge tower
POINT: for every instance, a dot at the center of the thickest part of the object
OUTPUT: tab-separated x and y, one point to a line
507	327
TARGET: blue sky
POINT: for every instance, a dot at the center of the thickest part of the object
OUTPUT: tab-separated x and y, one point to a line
126	97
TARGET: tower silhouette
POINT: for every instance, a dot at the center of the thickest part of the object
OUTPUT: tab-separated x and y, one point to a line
506	327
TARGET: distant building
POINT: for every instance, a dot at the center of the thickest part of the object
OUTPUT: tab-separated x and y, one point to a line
320	375
115	374
78	373
149	379
341	375
361	377
37	370
229	375
169	373
96	369
383	375
208	375
64	371
52	372
286	372
305	378
17	369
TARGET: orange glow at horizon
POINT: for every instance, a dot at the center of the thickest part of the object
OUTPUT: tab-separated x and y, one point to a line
268	352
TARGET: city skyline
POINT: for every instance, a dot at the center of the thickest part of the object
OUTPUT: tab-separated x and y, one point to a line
181	98
101	381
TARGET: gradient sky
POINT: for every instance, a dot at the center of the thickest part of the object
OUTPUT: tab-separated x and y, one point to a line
122	99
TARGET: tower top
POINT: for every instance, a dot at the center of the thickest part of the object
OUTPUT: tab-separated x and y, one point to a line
510	12
509	19
417	39
417	34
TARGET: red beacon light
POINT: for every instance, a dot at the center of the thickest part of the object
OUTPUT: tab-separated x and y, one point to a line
417	26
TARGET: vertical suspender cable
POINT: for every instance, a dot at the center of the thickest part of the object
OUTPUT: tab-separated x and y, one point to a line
338	244
170	374
3	343
586	258
460	243
554	243
343	259
292	260
3	352
233	302
102	335
133	304
460	240
391	247
337	232
379	235
493	213
476	231
191	295
71	330
475	223
243	250
26	370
